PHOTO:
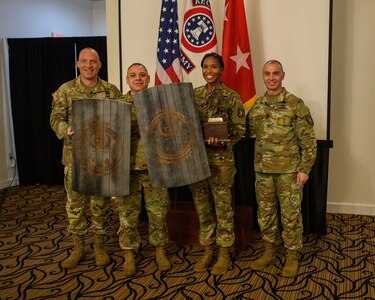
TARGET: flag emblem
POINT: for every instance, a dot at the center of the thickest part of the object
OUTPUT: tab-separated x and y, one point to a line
198	34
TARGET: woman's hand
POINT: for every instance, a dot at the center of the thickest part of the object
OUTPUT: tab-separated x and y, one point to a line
212	141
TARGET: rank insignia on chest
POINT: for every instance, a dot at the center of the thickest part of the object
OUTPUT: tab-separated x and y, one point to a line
281	121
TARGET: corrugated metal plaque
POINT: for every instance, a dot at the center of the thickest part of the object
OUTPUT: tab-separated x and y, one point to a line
172	136
101	147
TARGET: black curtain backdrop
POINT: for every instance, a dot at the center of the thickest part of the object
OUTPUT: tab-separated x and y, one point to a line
314	203
37	67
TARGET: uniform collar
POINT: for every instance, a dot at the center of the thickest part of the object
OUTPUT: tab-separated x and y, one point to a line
80	85
280	97
217	88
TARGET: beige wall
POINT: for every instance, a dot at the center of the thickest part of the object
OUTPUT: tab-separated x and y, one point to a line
272	24
6	170
113	41
277	31
352	161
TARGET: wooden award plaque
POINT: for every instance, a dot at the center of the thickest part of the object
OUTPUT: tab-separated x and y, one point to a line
217	130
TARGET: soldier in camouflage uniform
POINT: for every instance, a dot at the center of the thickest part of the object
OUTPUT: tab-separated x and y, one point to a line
215	100
285	151
87	85
156	199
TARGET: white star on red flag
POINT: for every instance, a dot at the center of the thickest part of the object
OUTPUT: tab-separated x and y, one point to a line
240	59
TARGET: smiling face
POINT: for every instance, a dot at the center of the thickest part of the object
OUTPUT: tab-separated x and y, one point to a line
137	78
211	71
89	65
273	76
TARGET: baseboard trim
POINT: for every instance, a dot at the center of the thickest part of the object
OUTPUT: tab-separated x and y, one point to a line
5	183
351	208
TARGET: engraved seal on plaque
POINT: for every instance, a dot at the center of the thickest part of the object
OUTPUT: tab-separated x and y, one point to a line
100	149
169	133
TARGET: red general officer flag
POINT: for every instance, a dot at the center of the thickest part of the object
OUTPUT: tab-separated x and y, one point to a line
238	73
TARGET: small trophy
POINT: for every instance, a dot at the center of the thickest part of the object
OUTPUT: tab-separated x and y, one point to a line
217	128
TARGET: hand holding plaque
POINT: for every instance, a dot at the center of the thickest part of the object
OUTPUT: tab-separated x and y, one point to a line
216	128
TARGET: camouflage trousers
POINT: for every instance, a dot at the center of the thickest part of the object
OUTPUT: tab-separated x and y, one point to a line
76	209
130	206
213	202
279	193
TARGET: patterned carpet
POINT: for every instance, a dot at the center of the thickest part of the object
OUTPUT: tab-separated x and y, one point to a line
33	242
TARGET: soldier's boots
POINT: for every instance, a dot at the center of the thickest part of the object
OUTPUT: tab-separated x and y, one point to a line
101	256
223	262
291	264
206	260
268	257
162	260
129	265
77	254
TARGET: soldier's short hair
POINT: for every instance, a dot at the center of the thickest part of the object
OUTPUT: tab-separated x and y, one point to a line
91	49
274	61
214	55
137	64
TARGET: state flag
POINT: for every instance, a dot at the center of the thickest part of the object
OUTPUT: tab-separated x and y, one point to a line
198	37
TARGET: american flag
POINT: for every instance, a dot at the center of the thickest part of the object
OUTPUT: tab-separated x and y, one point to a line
168	68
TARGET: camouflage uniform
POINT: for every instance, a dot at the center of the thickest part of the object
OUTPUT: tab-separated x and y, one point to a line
215	193
285	145
60	120
156	199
